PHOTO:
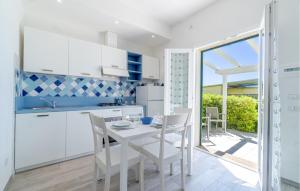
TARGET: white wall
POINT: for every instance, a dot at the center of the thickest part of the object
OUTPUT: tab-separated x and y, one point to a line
10	14
222	19
289	83
79	31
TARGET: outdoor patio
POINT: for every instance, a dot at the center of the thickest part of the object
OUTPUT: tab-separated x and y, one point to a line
237	146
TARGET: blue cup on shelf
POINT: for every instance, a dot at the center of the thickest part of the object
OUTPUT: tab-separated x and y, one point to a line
146	120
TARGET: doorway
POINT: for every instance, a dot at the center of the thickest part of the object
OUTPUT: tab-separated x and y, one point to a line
229	105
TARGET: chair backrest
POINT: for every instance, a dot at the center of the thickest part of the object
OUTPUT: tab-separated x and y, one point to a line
212	112
184	110
173	122
100	133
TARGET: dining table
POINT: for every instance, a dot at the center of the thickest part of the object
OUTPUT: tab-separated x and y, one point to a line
137	131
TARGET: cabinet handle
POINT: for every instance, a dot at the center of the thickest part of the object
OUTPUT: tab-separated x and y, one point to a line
151	76
116	110
115	66
86	74
83	113
47	70
44	115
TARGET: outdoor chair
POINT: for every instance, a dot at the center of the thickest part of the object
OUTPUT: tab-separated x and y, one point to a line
213	115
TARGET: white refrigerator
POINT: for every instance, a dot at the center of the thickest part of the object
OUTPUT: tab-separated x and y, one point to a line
152	97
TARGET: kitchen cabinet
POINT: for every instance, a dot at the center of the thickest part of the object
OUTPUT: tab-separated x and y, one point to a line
79	134
45	138
40	138
45	52
114	58
84	59
150	67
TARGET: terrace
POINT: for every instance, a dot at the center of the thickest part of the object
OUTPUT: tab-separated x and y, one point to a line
229	107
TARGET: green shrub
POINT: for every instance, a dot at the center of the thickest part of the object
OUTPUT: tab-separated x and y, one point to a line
241	111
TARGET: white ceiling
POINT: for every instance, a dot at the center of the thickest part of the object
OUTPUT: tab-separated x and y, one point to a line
170	12
139	19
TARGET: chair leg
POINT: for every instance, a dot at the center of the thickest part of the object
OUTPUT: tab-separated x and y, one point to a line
136	171
157	167
107	181
141	169
182	174
171	169
98	175
162	178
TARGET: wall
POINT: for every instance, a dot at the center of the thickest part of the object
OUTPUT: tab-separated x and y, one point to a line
220	20
79	31
10	14
289	84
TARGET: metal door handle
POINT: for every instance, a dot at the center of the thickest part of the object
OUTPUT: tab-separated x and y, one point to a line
86	74
47	70
44	115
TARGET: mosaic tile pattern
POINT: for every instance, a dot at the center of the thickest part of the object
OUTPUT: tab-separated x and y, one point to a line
58	86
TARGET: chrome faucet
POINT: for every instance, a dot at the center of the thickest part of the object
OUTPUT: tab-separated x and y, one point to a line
52	103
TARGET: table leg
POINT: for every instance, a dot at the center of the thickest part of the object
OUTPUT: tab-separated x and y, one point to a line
123	166
190	150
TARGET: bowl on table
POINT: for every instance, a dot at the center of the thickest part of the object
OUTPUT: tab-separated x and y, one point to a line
146	120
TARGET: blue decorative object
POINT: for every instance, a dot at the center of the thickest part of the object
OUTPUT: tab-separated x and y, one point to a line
146	120
60	86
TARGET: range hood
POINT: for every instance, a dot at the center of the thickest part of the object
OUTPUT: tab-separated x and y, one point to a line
111	40
115	72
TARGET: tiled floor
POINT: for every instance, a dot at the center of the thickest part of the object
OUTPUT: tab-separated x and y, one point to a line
210	174
234	145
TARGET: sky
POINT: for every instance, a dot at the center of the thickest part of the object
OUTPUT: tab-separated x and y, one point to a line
240	51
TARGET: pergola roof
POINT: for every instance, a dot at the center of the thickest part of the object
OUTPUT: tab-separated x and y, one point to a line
236	66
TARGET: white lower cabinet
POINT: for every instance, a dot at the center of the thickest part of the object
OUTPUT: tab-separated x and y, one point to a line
43	138
79	139
40	138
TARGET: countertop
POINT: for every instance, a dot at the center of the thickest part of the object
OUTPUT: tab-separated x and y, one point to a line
69	108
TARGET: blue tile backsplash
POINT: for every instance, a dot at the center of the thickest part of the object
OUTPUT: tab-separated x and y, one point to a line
68	86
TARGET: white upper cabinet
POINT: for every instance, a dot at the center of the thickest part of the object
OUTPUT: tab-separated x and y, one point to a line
150	67
45	52
114	58
84	58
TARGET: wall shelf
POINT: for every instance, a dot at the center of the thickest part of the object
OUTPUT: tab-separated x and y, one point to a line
134	67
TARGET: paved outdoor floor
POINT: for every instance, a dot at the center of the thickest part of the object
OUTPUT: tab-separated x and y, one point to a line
234	145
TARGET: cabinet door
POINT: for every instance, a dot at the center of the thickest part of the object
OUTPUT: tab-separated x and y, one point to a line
155	108
84	59
40	138
45	52
79	133
150	67
113	57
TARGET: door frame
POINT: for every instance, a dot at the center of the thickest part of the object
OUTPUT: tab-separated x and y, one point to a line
199	70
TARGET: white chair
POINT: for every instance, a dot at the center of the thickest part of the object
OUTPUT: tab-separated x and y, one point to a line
175	137
213	115
163	153
107	160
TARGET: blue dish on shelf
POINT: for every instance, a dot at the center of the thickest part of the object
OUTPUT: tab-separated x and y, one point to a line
146	120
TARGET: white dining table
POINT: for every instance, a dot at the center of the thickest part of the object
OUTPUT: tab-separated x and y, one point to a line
139	131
